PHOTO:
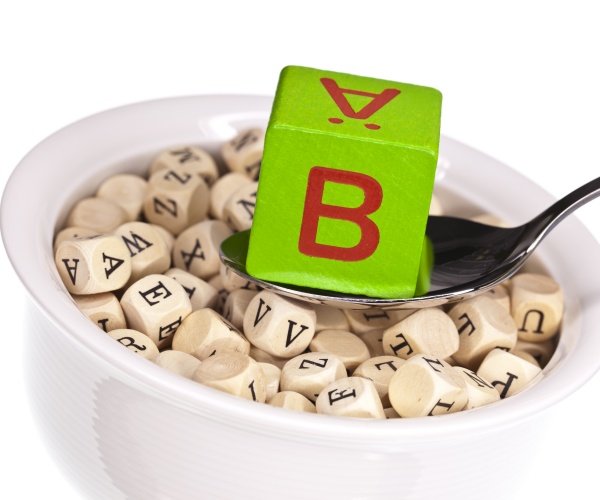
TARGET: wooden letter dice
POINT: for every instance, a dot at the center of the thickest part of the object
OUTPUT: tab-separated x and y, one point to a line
244	152
350	397
178	362
536	306
136	342
309	373
292	401
238	211
345	345
424	386
236	304
235	373
196	249
127	191
279	326
98	214
205	333
222	190
344	155
506	372
201	293
175	199
483	324
102	309
156	305
379	370
147	248
94	264
427	331
481	392
192	159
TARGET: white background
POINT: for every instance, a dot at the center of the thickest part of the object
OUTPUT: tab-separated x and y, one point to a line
520	82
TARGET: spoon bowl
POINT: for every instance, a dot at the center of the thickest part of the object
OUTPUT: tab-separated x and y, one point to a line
469	257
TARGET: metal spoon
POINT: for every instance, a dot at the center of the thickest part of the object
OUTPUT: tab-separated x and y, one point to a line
469	257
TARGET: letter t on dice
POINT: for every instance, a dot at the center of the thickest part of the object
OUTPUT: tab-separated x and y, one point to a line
345	184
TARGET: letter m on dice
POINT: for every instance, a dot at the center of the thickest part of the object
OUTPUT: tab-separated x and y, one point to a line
345	183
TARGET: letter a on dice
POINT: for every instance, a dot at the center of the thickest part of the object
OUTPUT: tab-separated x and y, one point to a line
346	183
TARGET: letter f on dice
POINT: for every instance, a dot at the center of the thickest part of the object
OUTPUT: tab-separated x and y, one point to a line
314	209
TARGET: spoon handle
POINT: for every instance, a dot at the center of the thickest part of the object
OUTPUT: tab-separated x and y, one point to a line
549	218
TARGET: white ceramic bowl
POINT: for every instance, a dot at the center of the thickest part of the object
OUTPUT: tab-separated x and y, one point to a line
121	427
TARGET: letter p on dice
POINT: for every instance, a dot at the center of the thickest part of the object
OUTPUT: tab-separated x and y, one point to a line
345	184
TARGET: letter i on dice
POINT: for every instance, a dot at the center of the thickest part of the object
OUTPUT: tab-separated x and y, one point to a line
345	184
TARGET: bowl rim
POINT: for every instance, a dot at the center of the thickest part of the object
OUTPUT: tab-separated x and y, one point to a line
28	251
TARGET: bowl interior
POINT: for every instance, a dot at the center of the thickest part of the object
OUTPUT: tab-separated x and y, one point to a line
71	163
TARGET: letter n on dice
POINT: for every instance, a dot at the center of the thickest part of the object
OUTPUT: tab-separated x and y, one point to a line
346	183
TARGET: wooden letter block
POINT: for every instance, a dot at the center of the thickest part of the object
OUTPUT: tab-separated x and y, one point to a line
309	373
541	351
102	309
147	248
236	304
344	155
201	293
292	401
235	373
72	233
97	214
166	234
264	357
427	331
205	333
178	362
217	283
272	375
156	305
127	191
330	318
350	397
374	319
345	345
175	199
222	190
481	392
537	306
244	152
425	386
136	341
238	211
190	159
93	265
280	326
483	324
196	249
380	370
506	372
501	295
374	341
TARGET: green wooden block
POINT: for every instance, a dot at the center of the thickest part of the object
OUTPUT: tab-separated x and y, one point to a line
345	183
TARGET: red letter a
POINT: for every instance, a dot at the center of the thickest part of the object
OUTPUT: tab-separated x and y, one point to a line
315	208
378	101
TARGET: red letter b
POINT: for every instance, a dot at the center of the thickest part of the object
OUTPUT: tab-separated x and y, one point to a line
314	208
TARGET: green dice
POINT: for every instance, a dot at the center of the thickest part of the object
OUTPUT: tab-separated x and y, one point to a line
345	183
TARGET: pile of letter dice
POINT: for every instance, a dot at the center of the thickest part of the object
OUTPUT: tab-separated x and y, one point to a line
141	260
